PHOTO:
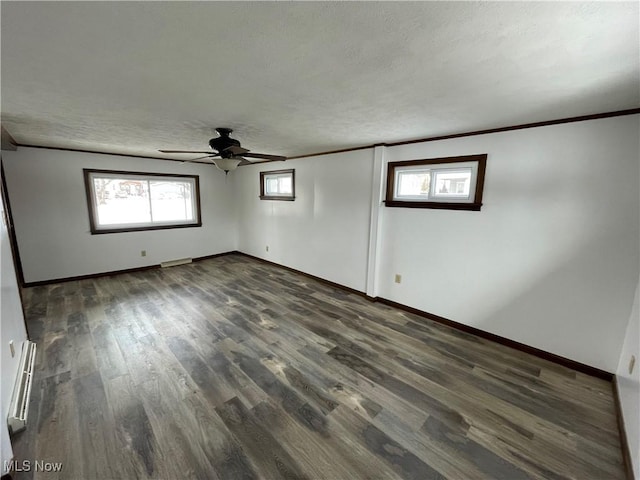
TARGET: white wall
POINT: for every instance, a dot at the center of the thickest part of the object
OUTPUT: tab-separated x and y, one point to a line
11	328
323	232
551	260
629	385
49	206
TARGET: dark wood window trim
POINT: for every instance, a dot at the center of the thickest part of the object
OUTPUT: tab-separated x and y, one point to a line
288	198
92	213
475	206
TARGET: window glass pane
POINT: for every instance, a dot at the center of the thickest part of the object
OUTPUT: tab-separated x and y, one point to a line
278	184
452	183
413	183
121	201
271	185
171	201
284	185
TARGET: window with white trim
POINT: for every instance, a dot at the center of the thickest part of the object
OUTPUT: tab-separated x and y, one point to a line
450	183
132	201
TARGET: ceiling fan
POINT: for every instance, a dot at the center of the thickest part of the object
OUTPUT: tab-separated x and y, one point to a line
230	153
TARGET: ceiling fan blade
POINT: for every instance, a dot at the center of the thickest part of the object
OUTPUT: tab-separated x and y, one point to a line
195	160
248	162
183	151
236	150
272	158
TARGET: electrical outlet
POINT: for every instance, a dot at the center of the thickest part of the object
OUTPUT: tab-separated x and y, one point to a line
12	348
632	363
267	248
143	253
398	278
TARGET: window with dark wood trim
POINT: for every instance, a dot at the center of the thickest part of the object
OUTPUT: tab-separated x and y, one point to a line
135	201
454	183
278	185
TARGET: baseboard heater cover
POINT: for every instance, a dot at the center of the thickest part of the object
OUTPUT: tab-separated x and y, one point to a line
19	407
175	263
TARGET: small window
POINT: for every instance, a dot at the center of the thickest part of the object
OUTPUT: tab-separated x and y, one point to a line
131	201
278	185
452	183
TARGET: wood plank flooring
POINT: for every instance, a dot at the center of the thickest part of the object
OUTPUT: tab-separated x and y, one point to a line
230	368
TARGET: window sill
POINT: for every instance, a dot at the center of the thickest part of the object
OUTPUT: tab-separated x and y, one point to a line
273	197
437	205
142	229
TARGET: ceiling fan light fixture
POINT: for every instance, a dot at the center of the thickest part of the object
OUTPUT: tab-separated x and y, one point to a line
227	164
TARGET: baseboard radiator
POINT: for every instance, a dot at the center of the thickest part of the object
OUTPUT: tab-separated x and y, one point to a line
19	408
175	263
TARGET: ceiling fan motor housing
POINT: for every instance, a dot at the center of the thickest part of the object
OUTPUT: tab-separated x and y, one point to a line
223	142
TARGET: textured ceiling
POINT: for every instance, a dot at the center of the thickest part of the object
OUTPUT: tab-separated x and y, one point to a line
296	78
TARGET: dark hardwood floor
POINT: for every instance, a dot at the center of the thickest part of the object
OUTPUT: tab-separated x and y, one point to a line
230	368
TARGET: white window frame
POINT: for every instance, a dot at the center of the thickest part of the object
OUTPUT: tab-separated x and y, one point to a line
96	228
474	164
433	171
